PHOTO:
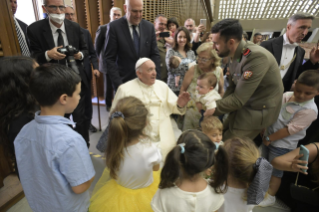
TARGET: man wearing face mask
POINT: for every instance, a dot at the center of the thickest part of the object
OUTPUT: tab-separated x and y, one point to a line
47	36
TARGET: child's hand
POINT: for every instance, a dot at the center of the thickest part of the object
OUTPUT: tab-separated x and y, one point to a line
295	164
209	112
265	142
177	80
199	106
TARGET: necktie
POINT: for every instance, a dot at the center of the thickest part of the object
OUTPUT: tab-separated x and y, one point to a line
136	40
61	43
22	42
60	38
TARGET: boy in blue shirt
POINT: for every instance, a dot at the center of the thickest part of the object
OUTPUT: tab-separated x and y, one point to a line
53	160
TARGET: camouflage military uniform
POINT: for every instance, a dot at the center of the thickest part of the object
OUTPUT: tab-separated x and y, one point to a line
253	98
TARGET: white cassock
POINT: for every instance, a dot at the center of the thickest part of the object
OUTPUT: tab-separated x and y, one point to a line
161	103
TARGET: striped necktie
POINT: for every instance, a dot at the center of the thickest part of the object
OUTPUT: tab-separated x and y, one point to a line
22	42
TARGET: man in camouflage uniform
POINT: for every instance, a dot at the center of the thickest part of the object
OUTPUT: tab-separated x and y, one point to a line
253	98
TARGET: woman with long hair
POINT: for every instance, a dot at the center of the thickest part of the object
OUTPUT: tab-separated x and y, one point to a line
17	105
183	50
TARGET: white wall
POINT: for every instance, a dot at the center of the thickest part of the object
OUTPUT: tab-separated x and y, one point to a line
25	11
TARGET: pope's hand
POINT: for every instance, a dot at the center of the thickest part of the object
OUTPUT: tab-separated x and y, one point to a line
183	99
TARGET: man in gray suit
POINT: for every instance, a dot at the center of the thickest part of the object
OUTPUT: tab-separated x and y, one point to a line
128	39
115	13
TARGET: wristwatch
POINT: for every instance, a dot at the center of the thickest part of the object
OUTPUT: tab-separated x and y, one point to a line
267	138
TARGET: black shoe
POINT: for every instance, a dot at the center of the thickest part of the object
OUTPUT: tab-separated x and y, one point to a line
108	108
93	129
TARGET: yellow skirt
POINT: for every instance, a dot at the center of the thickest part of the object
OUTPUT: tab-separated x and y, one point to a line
115	198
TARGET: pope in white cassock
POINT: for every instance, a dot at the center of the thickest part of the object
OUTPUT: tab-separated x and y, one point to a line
160	101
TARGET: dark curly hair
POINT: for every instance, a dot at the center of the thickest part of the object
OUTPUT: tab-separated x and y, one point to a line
16	99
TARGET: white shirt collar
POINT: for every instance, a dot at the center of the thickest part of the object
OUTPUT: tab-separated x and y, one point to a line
144	85
287	43
129	23
54	28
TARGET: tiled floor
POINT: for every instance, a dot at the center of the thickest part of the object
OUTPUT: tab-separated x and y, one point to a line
99	164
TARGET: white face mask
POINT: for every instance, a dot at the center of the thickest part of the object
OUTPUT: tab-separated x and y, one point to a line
57	18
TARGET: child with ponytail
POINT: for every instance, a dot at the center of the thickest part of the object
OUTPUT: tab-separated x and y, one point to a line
248	176
130	161
182	187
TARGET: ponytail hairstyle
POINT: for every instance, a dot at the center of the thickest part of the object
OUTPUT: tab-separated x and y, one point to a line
242	155
195	154
124	129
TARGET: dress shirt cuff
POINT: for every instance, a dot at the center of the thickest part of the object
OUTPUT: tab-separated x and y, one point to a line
82	57
47	57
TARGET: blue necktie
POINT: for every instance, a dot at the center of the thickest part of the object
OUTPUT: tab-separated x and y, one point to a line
136	40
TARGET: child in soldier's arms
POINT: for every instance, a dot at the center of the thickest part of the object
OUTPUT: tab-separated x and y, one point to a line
205	95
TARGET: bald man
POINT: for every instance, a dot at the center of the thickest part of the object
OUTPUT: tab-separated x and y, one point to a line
128	39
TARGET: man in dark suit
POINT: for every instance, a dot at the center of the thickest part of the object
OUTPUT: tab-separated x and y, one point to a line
46	36
91	59
288	54
128	39
21	29
115	13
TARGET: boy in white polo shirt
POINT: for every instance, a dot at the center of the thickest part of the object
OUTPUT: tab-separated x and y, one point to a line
297	112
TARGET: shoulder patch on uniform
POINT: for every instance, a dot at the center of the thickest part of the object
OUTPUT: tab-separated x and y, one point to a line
246	52
247	74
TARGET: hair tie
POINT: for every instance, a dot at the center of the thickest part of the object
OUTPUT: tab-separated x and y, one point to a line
182	147
117	114
259	186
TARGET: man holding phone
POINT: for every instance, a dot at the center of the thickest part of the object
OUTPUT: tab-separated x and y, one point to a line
191	26
162	36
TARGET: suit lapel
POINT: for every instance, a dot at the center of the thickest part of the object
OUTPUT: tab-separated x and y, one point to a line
47	33
127	34
298	52
141	37
277	47
69	32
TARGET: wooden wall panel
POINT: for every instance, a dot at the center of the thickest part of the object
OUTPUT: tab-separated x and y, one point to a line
8	34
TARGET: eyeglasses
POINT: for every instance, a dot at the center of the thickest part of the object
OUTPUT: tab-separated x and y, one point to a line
54	8
203	59
69	14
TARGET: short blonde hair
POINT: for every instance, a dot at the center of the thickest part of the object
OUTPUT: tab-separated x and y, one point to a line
173	62
208	46
211	123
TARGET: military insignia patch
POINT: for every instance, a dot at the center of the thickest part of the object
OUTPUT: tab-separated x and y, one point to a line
246	52
247	74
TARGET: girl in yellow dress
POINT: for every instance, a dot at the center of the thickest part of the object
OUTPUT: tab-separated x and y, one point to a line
130	160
